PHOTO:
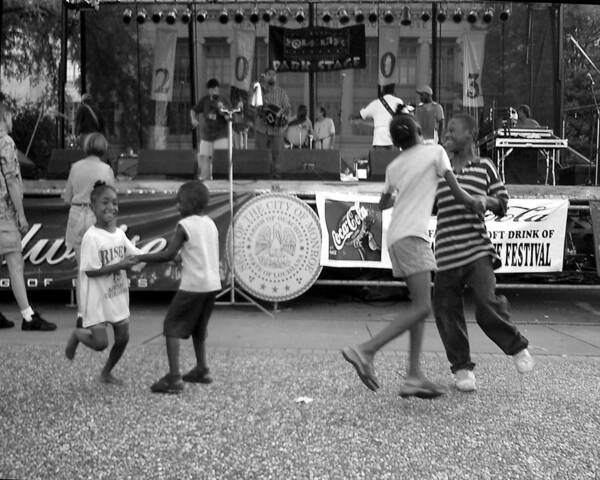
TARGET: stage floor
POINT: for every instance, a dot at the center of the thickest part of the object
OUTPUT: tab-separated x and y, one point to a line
306	189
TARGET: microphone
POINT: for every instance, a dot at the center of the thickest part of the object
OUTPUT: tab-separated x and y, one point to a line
589	75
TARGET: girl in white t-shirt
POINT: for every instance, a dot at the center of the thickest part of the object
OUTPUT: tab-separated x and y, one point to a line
104	292
412	179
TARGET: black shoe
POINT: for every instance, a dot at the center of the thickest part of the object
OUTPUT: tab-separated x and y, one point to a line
79	322
168	384
195	375
38	323
5	322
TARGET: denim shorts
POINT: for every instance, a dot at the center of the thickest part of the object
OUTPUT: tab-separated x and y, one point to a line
411	255
10	238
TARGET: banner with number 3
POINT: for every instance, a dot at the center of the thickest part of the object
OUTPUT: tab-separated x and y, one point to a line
473	52
164	64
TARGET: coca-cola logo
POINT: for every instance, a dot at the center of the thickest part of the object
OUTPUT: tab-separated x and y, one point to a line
349	226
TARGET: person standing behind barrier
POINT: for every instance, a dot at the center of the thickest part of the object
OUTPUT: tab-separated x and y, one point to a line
412	178
271	119
212	127
82	176
87	119
197	237
381	110
324	131
466	256
13	224
430	115
299	131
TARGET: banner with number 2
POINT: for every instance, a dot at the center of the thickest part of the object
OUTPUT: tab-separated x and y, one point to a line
164	64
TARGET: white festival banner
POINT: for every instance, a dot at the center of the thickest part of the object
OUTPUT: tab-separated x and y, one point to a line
242	58
164	64
388	55
529	238
473	53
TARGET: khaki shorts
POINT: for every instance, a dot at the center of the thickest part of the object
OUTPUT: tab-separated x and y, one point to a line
10	238
411	255
207	147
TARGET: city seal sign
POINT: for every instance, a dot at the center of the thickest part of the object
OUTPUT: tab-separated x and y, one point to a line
277	247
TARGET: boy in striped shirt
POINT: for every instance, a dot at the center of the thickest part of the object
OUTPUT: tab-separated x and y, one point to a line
465	256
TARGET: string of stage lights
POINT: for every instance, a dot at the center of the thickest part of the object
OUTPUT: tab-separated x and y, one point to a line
344	16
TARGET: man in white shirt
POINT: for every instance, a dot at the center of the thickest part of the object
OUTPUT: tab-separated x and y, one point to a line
381	111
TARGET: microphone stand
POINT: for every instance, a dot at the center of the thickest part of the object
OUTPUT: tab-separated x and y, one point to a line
228	114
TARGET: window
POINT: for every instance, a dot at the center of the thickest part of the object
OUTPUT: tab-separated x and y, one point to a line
218	62
407	62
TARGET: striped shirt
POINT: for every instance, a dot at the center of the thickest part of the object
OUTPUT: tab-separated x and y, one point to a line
461	236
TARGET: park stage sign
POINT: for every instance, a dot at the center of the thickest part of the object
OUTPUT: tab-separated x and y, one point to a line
316	49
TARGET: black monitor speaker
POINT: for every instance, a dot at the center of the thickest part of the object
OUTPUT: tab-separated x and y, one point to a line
299	164
378	162
175	164
247	164
60	163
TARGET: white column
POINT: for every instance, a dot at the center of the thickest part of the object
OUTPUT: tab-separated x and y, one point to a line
423	61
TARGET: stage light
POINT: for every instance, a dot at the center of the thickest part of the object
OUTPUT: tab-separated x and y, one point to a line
300	15
127	14
141	15
343	16
171	16
373	16
441	16
457	15
156	16
504	14
267	15
326	17
488	15
201	16
425	15
388	16
238	16
406	17
359	16
283	16
224	16
472	16
254	16
186	16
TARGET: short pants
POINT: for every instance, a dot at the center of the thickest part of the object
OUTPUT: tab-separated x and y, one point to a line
10	238
188	314
411	255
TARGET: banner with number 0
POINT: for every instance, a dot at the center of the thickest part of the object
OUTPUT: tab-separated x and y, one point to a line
242	58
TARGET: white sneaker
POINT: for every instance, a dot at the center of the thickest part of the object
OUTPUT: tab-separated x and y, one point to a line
524	361
465	380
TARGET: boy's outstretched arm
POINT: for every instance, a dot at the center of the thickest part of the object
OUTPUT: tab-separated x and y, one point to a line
475	204
169	253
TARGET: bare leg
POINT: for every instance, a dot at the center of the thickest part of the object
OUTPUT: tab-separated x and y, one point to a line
204	172
200	351
14	262
121	331
94	337
173	356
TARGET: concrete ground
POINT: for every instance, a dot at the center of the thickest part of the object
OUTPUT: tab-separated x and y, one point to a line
285	405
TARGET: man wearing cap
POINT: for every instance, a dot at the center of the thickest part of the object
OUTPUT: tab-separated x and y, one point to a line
430	116
524	119
212	127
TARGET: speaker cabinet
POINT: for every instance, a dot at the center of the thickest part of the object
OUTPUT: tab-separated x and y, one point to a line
297	164
521	167
247	164
577	175
162	164
60	163
378	162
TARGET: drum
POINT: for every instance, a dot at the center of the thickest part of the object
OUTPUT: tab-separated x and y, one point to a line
297	135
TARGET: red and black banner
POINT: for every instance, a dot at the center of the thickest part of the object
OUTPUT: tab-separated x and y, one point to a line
316	49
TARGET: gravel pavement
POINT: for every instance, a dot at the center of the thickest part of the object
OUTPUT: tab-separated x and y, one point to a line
285	405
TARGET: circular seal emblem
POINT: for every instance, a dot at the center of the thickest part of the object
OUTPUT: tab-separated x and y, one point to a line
277	247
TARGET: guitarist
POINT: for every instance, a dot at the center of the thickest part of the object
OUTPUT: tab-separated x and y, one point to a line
380	111
272	118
